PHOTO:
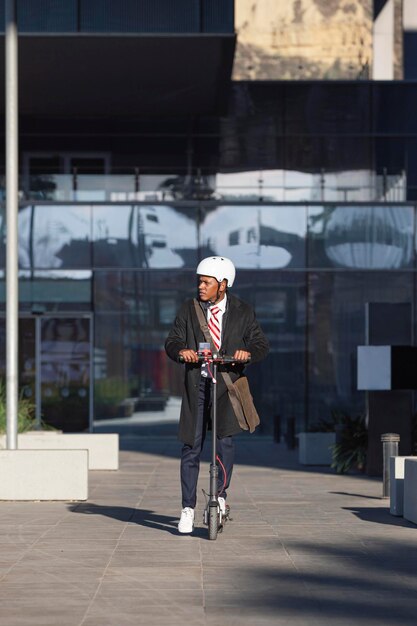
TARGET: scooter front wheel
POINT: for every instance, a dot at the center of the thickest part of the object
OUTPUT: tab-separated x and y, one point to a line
213	522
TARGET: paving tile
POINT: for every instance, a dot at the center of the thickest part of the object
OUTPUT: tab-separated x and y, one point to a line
42	615
43	591
54	573
306	548
156	559
164	577
142	620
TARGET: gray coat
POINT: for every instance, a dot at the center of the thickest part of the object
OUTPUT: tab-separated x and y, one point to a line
240	331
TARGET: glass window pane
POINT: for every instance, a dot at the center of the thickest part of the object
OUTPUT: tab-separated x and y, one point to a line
65	372
336	327
361	237
267	237
144	236
278	382
52	290
55	237
153	296
252	185
134	313
139	17
47	16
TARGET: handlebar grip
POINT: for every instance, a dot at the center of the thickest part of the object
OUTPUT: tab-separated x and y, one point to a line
219	359
230	359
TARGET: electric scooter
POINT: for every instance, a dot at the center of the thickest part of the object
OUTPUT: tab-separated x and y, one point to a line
213	517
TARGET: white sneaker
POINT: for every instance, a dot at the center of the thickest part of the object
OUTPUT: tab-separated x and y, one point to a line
222	505
186	523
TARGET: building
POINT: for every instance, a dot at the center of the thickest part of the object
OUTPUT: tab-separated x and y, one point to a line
281	134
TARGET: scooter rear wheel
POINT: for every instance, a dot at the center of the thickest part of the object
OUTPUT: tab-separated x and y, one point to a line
213	522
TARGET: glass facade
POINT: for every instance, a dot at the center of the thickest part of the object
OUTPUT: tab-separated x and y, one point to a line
275	142
308	269
124	16
309	187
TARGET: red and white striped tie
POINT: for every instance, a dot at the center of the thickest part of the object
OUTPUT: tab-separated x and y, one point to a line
214	326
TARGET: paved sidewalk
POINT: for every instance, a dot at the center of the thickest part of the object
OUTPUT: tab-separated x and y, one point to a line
305	547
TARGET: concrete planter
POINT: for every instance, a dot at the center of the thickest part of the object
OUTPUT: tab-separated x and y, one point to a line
103	448
410	492
44	475
314	448
396	484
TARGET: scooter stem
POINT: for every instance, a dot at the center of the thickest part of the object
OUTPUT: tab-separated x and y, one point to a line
214	470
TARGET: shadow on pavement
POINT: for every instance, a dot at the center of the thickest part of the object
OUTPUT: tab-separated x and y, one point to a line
332	584
379	516
141	517
354	495
359	593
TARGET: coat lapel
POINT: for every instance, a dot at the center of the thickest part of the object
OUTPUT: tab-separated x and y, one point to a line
229	318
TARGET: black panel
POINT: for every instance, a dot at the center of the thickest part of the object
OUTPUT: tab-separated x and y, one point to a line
98	76
404	367
391	413
389	324
378	6
410	55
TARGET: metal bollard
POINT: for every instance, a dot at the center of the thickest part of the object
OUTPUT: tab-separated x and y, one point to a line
390	443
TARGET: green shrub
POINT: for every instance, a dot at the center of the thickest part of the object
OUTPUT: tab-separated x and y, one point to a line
350	451
111	390
25	416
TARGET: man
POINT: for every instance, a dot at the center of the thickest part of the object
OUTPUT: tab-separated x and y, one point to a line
235	332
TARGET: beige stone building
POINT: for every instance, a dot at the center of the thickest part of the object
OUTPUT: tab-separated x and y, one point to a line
317	39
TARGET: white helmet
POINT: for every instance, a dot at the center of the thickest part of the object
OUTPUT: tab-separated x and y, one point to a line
219	268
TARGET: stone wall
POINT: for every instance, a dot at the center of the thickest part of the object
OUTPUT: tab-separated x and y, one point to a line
303	39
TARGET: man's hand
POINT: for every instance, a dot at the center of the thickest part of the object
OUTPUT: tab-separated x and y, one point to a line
241	355
189	356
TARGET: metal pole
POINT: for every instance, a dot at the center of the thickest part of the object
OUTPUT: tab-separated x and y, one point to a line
389	448
38	382
12	190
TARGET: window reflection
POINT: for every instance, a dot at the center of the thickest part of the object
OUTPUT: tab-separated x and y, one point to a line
278	383
337	326
65	372
143	236
361	237
54	237
145	257
55	290
154	297
133	314
256	237
268	185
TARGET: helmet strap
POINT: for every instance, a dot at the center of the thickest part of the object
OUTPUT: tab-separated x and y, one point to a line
218	294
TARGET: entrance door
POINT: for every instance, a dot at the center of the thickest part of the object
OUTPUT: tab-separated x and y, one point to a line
55	369
65	372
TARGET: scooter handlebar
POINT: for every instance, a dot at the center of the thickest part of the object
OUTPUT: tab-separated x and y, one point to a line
215	358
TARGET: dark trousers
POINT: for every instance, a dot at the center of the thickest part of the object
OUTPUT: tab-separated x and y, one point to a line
190	455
